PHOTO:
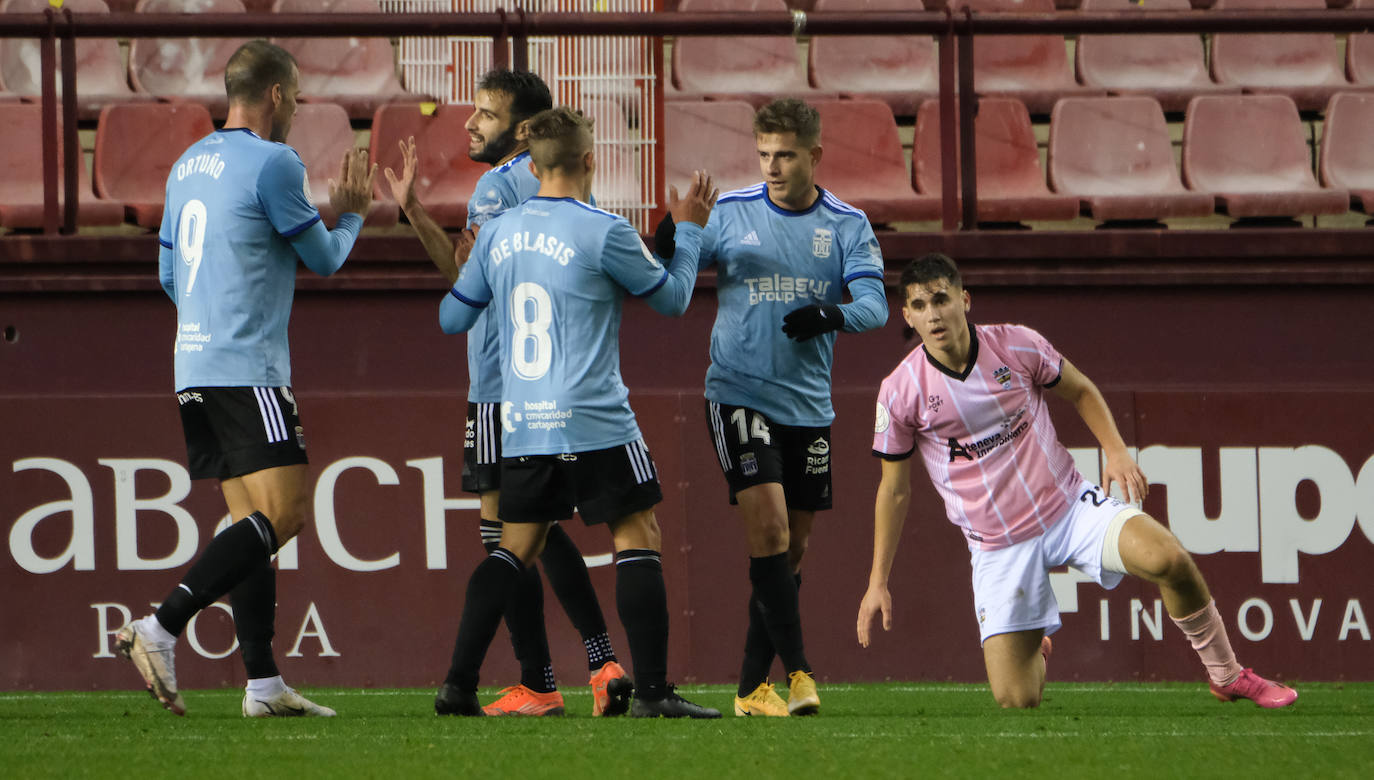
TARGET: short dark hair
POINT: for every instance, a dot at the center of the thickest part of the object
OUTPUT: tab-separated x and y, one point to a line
528	93
558	138
928	268
254	67
924	270
790	115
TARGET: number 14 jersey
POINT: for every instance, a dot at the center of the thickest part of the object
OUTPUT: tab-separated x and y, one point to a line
555	271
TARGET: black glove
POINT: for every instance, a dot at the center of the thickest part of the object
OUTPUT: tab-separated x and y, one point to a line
664	245
811	321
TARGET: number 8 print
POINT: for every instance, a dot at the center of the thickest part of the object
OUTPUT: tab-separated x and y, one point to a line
531	331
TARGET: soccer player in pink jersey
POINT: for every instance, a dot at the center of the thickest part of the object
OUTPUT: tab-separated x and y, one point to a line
972	399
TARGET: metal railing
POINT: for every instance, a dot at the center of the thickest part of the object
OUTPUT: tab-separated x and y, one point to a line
953	31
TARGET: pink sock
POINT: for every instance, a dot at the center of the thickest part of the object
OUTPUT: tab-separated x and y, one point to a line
1207	634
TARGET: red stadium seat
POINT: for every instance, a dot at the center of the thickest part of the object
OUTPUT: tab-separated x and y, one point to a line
713	136
863	163
1115	155
21	174
136	147
1347	148
1251	152
184	68
1359	52
900	71
447	176
100	74
320	134
1304	66
1033	69
1169	68
357	73
756	69
1011	183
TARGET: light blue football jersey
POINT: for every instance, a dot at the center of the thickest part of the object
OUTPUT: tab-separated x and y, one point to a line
553	273
770	261
508	184
233	200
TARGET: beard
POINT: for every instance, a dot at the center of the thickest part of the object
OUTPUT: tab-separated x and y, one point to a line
279	130
494	150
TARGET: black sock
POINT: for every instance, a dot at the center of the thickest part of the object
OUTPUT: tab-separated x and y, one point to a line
758	648
488	589
226	560
642	601
572	584
775	590
491	534
758	651
254	601
528	638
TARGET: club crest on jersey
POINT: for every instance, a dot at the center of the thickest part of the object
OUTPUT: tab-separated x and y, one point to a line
821	241
1003	376
748	464
882	420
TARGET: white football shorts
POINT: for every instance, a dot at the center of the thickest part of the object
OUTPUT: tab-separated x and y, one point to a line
1011	586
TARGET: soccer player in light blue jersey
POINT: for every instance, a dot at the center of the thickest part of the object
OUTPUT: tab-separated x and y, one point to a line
236	222
784	251
505	99
554	272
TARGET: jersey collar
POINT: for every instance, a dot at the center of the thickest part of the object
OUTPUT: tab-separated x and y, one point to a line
820	196
972	357
238	130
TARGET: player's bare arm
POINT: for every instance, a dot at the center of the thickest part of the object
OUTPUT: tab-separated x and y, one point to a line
352	191
1079	390
435	241
889	514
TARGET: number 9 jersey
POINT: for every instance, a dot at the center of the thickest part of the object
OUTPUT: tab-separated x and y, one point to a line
555	271
233	201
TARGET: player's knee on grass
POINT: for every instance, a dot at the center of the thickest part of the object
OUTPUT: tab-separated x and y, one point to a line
1018	699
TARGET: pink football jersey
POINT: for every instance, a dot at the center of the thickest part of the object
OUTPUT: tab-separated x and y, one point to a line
986	435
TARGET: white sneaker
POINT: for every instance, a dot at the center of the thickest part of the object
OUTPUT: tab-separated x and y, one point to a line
287	704
156	663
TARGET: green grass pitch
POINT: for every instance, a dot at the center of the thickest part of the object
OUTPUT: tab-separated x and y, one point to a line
1157	730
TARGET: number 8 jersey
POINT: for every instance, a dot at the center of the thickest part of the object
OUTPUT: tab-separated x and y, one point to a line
554	272
233	201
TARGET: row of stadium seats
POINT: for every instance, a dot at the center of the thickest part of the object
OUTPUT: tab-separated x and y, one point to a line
358	73
1035	69
1108	158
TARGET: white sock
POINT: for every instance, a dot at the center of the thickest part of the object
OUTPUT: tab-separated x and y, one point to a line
266	687
155	634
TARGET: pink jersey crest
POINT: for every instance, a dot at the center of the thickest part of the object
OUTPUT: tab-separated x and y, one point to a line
986	435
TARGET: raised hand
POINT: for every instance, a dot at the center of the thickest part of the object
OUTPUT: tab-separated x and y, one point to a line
403	187
697	204
352	191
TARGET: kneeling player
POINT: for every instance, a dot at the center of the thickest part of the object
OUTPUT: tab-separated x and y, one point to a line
973	400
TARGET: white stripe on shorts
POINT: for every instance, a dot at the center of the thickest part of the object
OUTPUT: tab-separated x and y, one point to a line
718	433
487	433
639	461
272	422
